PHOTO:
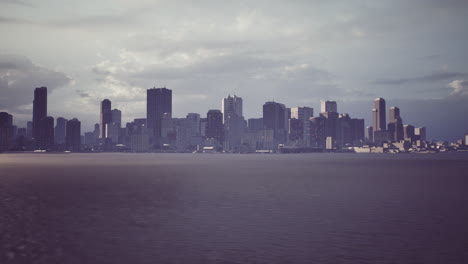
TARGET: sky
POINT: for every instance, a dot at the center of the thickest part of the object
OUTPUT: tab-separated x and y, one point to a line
412	53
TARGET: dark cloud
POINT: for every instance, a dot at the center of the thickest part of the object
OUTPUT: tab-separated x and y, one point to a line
13	20
18	78
433	77
83	94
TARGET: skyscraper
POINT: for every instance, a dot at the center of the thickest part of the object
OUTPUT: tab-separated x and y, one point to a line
73	137
106	117
6	137
275	118
39	109
370	133
408	133
379	115
328	106
234	123
117	117
231	105
395	124
193	120
60	129
303	114
46	133
420	133
158	102
214	125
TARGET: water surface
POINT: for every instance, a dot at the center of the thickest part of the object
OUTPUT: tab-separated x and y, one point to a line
195	208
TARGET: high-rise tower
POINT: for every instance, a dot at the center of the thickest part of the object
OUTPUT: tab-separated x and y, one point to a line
106	117
275	118
39	109
158	102
379	115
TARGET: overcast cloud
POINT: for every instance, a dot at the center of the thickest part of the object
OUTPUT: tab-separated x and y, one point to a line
412	53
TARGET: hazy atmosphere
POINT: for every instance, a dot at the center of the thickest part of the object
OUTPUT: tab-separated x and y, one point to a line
412	53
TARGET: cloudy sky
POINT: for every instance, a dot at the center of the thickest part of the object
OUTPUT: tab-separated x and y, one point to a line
412	53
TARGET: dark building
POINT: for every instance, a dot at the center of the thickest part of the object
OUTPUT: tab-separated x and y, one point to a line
45	140
318	127
331	125
379	115
60	130
382	136
106	117
275	118
89	139
29	129
395	125
370	133
357	129
6	127
73	137
214	125
158	102
296	129
344	136
408	133
39	110
255	124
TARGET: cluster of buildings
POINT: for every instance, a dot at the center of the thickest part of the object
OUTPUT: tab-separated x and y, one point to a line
280	129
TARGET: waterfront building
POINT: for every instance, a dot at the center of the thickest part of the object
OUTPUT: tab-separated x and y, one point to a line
106	117
379	115
275	118
214	126
60	130
158	102
73	135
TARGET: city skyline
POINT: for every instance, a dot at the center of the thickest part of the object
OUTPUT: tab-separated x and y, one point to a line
159	103
413	54
280	129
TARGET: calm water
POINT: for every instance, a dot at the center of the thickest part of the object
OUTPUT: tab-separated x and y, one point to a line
186	208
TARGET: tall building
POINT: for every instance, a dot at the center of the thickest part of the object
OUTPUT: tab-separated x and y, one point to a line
73	137
39	109
214	126
318	133
408	133
358	129
117	117
231	105
328	106
296	130
379	115
193	122
6	135
29	129
275	118
255	124
113	132
106	117
370	133
60	129
395	124
158	102
45	140
234	123
167	127
303	114
420	133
